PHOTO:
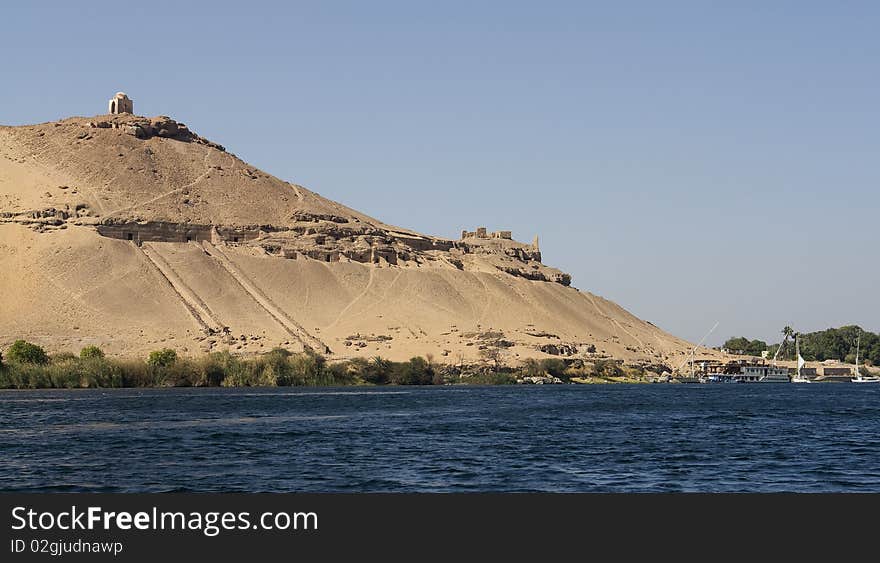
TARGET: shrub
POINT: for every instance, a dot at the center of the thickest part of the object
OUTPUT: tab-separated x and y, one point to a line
356	369
607	368
417	371
440	378
98	372
377	371
135	373
26	376
490	378
305	369
61	357
229	370
275	368
26	353
341	373
554	367
64	372
210	371
532	368
162	358
180	373
91	352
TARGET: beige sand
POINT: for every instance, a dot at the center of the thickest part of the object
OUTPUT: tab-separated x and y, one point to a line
384	291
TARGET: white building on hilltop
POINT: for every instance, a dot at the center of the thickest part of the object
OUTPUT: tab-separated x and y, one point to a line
121	103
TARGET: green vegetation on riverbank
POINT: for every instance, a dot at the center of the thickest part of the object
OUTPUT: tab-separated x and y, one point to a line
27	366
831	344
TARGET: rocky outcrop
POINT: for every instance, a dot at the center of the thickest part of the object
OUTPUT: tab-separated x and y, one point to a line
539	380
538	274
50	218
302	216
559	349
148	127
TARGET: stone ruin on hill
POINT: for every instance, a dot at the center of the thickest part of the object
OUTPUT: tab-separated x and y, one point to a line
121	116
121	103
483	233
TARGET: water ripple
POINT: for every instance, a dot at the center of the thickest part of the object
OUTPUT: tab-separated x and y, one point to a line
657	438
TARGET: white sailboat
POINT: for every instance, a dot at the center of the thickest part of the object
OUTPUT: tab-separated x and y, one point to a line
859	378
799	377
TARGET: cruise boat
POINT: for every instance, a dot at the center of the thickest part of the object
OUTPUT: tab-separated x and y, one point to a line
759	373
765	374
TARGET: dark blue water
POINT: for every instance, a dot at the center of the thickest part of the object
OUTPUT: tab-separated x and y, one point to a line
562	438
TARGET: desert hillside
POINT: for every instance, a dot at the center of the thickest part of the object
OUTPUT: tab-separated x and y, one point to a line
135	233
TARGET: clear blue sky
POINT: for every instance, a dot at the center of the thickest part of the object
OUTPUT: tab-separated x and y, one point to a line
693	161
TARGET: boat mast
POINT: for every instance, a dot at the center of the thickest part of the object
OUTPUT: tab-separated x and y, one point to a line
778	350
694	350
858	341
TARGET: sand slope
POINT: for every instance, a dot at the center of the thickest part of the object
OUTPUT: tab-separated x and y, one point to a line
65	285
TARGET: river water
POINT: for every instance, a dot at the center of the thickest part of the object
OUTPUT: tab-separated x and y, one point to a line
568	438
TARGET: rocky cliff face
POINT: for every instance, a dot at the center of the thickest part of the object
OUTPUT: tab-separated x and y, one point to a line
310	227
143	213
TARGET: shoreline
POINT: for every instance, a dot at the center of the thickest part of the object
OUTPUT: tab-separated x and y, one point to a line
27	366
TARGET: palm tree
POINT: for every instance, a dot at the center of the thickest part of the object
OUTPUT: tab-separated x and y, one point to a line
787	333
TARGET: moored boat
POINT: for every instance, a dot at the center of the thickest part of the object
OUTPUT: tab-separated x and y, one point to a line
799	376
859	378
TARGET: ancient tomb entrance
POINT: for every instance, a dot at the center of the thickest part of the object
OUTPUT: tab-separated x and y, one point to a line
159	231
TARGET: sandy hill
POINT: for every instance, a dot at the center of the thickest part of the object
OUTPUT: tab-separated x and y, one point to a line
134	233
